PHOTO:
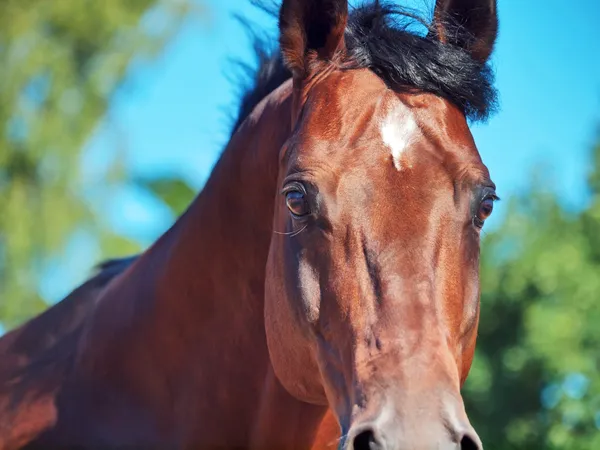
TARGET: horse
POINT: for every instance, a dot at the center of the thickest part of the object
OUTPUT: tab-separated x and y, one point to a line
323	287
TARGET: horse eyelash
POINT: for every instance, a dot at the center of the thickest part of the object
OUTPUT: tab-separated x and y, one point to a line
291	233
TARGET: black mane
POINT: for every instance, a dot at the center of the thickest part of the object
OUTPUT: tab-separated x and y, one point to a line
378	37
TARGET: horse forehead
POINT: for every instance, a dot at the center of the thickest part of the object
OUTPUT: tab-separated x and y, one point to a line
444	126
355	109
344	105
398	129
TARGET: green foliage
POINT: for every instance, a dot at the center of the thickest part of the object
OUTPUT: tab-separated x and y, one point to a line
174	193
62	60
535	381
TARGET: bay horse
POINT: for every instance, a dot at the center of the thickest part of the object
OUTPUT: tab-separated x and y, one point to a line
322	289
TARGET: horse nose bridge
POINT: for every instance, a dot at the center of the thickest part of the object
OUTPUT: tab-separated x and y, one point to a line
424	364
410	312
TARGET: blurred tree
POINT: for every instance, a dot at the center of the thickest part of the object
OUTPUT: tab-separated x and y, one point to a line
62	61
535	383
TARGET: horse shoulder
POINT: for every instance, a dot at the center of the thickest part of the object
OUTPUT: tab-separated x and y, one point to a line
35	360
328	434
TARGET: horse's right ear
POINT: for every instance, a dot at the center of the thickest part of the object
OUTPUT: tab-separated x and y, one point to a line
310	31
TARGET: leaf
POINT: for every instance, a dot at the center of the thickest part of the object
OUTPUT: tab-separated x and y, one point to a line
175	193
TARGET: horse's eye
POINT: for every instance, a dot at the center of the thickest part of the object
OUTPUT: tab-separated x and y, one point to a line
486	207
296	203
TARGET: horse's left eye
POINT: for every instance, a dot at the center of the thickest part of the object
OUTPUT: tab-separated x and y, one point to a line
296	203
486	207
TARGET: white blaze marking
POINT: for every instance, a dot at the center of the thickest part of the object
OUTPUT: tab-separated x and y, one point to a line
397	130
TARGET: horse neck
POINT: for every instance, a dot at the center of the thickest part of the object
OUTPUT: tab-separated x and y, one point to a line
192	305
219	248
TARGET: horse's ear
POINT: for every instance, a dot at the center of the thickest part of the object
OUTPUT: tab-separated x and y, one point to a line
311	30
470	24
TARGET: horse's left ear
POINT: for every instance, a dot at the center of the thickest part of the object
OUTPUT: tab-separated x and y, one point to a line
310	31
470	24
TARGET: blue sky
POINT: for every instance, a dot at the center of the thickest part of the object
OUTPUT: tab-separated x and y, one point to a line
172	117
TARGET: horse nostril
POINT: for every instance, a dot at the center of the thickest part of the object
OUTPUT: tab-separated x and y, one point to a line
366	440
470	443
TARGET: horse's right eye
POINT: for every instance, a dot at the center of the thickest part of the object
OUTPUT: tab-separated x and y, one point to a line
297	204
